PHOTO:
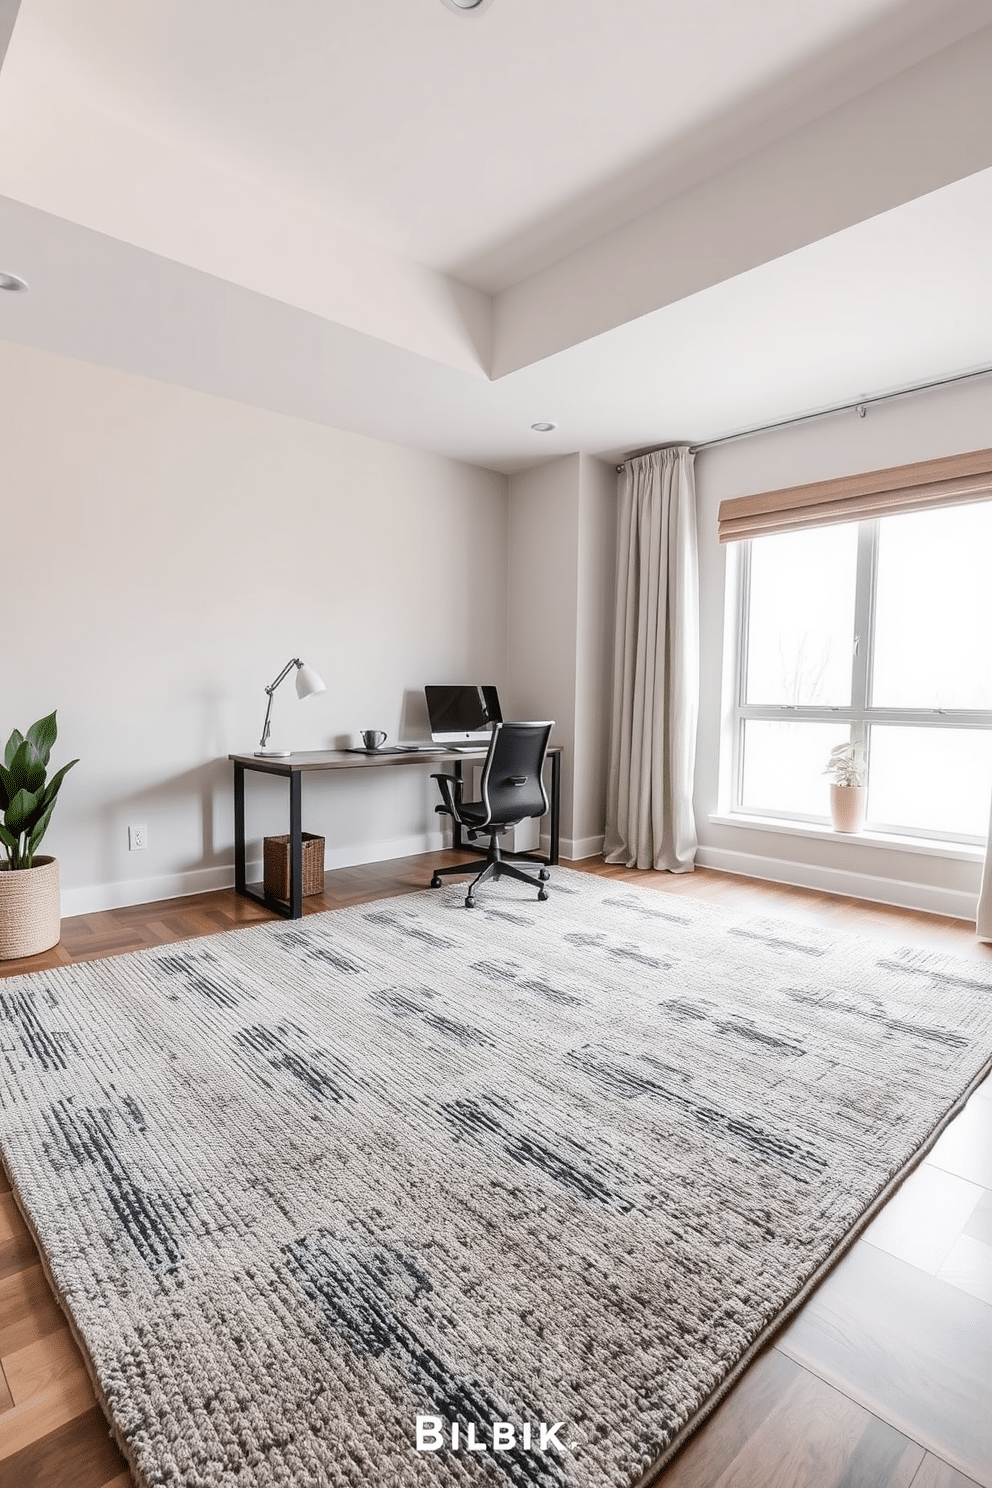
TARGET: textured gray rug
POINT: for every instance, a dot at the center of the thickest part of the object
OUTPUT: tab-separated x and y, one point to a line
301	1184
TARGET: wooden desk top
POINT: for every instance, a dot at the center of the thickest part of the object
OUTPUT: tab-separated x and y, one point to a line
344	759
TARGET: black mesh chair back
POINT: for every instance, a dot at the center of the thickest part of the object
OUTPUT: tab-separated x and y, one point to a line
512	785
511	789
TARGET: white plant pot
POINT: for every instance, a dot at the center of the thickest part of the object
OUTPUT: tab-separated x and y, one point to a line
30	909
847	807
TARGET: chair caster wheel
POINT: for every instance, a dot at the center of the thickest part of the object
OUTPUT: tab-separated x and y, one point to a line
542	893
544	875
470	901
436	881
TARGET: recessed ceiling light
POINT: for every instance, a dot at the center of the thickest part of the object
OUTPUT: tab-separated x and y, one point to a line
11	282
543	428
467	6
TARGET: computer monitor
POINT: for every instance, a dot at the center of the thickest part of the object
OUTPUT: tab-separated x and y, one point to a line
462	715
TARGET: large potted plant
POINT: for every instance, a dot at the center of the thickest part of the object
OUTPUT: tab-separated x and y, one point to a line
848	789
30	912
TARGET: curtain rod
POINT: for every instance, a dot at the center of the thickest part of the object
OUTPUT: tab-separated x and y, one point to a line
860	406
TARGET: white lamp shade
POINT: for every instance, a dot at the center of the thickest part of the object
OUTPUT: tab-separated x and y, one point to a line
307	682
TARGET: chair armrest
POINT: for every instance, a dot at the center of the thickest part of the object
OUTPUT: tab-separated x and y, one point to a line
451	790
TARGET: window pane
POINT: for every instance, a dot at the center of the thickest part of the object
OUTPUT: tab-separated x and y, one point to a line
933	610
784	765
935	778
801	617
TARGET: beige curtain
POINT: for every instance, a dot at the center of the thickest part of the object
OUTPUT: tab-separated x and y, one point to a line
983	921
649	818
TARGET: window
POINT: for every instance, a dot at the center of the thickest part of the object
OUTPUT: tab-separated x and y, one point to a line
878	633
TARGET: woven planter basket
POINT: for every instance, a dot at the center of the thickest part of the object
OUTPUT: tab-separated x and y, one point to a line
30	909
275	854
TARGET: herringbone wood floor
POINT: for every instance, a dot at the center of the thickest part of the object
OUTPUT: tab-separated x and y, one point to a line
882	1381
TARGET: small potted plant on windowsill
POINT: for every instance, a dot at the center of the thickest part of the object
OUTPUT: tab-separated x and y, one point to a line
30	908
848	788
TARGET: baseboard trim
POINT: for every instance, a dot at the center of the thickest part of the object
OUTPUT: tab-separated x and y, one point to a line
901	893
575	848
92	898
380	852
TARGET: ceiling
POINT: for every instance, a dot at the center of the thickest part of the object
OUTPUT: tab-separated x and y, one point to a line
440	137
647	220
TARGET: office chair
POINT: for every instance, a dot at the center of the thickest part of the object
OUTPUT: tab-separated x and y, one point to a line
511	789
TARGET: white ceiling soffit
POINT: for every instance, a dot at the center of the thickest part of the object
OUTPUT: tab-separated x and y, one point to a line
898	299
908	136
384	166
440	137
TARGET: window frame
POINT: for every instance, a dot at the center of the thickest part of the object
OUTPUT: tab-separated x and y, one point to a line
860	715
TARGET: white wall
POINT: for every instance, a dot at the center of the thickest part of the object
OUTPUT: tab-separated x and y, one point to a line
165	552
925	425
559	626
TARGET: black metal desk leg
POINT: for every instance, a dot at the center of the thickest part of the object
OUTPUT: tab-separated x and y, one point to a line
457	844
296	845
240	872
555	807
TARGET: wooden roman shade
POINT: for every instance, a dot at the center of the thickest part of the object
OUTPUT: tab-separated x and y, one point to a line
857	498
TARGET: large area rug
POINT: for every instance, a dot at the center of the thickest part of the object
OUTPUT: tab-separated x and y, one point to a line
301	1184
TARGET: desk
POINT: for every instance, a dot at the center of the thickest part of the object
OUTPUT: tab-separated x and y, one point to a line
295	766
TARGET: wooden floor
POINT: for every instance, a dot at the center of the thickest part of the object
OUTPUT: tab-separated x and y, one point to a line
883	1380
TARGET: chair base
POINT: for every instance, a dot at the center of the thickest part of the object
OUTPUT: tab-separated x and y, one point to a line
494	867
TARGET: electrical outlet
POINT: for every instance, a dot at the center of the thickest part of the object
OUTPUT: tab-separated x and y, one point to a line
137	838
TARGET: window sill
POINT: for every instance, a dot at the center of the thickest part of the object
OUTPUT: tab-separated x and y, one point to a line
966	852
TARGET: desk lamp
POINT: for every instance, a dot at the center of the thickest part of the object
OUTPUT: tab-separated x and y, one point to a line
307	683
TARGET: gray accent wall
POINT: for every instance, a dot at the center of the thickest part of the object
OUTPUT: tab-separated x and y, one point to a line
562	582
8	19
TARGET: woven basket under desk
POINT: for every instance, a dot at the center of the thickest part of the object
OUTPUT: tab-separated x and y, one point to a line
275	855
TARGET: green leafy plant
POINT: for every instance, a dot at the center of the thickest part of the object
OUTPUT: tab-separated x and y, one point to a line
846	765
27	796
